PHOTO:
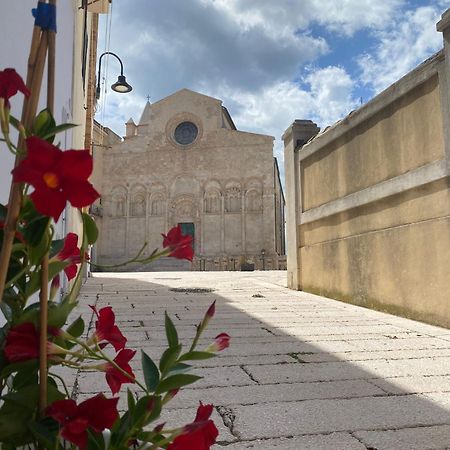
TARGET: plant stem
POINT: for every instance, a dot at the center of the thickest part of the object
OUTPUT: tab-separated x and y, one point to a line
43	323
62	381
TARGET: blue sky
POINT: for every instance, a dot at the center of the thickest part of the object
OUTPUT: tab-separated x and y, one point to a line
271	62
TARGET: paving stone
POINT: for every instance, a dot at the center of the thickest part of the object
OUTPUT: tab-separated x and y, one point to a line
424	354
414	384
253	394
326	416
335	441
421	438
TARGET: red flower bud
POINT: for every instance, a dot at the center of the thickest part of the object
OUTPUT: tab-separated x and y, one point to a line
10	84
221	342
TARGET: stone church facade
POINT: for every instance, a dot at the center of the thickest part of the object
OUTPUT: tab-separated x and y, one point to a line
185	162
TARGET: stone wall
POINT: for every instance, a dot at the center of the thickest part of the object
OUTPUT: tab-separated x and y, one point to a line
369	199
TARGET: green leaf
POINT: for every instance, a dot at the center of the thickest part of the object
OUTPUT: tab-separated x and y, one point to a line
148	408
194	356
35	230
76	328
171	332
45	431
179	368
90	228
58	312
151	372
43	124
30	366
176	382
13	428
25	378
56	246
130	400
58	129
96	441
156	410
169	357
14	122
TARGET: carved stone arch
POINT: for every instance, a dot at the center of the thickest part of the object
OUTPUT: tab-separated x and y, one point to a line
253	200
118	205
254	183
138	201
233	195
157	199
157	204
253	195
213	197
183	208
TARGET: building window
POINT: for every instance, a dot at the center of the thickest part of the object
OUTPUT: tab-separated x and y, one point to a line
186	133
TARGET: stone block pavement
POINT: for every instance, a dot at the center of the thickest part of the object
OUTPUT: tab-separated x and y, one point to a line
302	372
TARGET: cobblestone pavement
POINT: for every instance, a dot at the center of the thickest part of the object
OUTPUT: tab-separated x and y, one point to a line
302	372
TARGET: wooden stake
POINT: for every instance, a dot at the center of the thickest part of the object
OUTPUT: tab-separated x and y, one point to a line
43	294
36	64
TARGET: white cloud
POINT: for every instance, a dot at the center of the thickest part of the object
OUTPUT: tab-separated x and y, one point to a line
282	17
261	57
412	39
325	97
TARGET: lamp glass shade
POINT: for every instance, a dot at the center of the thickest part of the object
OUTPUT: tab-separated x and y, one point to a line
121	85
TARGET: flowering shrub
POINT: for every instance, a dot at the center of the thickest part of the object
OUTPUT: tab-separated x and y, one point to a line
35	406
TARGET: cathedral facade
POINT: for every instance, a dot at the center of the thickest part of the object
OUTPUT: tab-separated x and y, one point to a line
186	163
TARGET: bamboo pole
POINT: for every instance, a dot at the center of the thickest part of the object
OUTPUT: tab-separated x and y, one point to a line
36	62
43	294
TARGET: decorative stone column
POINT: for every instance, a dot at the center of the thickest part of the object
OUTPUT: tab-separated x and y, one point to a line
294	138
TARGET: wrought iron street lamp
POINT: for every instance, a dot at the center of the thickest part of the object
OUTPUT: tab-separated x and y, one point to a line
120	85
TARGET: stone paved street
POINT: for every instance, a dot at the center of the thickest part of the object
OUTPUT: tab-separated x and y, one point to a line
302	372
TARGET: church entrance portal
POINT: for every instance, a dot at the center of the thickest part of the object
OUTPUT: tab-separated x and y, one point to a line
188	228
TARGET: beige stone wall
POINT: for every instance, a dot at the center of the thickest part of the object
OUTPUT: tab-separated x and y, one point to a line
371	200
224	183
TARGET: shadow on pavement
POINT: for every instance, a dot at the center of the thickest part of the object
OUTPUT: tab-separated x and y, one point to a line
302	372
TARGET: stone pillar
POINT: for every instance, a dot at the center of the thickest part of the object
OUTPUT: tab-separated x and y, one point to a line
127	219
444	82
202	223
222	225
294	138
243	224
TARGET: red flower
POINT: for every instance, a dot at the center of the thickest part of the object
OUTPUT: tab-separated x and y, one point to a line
10	83
198	435
22	343
97	413
114	377
180	246
70	252
106	330
56	176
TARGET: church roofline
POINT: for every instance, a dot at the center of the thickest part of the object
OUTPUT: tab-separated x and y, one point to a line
187	90
227	114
